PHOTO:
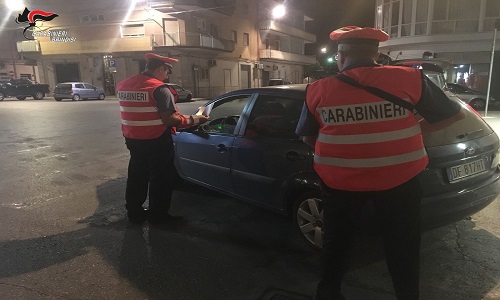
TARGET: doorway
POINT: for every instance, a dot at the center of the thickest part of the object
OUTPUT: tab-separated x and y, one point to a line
67	72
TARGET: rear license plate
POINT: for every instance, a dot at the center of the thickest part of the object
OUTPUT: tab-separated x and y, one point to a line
465	170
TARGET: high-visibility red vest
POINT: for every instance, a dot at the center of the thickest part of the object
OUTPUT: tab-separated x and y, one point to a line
366	143
139	112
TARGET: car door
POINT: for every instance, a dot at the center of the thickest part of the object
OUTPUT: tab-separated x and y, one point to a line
91	91
268	152
80	90
203	154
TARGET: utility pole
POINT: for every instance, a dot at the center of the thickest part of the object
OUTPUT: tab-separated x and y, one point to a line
497	24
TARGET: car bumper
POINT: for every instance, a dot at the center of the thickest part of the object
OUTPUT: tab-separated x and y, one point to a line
440	210
63	96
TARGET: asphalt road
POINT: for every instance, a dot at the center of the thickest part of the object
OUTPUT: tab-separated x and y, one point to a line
64	233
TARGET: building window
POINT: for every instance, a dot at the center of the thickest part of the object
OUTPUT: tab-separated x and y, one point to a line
421	17
234	36
205	73
132	30
456	16
278	45
246	39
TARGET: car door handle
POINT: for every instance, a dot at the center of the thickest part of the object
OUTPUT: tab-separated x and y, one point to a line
293	156
223	148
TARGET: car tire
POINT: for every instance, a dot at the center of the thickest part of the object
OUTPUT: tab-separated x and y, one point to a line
101	96
58	99
478	103
76	97
188	98
20	98
307	217
38	95
2	96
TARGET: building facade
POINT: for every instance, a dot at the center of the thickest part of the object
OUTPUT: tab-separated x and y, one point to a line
222	45
459	32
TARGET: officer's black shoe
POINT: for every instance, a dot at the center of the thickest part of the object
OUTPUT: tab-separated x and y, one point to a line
165	220
138	217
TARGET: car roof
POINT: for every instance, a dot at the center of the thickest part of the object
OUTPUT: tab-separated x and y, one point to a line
287	89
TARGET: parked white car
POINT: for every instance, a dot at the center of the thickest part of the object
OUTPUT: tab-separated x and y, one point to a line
476	99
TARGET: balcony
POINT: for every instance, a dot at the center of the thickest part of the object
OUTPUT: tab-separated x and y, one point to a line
275	55
282	29
192	40
209	7
28	46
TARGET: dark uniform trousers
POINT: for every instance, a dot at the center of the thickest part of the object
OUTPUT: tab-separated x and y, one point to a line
398	211
150	171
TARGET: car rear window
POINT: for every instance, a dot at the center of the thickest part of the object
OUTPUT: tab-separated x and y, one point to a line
63	86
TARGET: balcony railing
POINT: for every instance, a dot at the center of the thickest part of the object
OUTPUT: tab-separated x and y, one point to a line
286	56
187	39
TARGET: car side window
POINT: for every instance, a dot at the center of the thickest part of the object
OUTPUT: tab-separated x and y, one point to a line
275	117
225	114
79	86
89	86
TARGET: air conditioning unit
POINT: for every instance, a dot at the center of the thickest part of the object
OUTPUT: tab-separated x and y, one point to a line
258	66
212	62
275	67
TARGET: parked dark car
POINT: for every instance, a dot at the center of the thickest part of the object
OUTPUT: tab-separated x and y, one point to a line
184	95
277	81
476	99
23	88
249	150
77	91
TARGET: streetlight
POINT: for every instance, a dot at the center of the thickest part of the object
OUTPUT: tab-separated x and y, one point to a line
323	50
279	11
14	5
497	24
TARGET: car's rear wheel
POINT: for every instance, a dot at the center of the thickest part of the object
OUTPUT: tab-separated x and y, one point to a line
76	97
102	96
58	99
38	95
188	98
21	98
2	96
478	104
308	217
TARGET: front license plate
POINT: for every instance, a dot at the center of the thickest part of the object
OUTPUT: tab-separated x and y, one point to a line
465	170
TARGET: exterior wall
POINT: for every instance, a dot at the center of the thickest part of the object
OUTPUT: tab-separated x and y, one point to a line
457	31
206	71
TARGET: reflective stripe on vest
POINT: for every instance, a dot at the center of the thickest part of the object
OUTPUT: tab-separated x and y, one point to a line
139	113
366	143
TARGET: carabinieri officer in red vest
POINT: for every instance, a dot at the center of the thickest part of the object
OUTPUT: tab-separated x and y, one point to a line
149	116
367	148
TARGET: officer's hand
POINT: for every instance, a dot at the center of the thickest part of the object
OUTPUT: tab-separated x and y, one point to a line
202	119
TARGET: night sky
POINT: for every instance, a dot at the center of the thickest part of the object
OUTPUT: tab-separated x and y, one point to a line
329	15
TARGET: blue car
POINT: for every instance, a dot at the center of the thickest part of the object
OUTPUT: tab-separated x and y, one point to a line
77	91
249	150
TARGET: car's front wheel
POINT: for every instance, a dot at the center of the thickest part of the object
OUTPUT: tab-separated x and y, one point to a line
38	95
478	104
188	98
102	96
308	217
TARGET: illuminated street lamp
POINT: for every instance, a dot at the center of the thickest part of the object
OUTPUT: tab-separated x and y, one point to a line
323	50
279	11
14	5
